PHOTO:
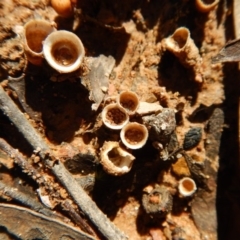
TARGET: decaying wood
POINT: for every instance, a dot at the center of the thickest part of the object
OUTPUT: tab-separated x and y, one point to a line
84	202
35	225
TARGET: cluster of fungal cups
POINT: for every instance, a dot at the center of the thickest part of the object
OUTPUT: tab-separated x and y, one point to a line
115	158
63	50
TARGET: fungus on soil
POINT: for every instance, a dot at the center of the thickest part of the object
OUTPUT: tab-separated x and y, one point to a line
114	116
64	51
128	100
134	135
35	32
187	187
137	52
115	159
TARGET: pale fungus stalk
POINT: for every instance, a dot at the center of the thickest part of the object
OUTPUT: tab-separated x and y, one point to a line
63	51
187	187
134	135
206	5
129	101
183	47
114	116
115	160
35	32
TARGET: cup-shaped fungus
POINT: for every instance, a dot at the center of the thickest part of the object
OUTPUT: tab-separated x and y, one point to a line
114	116
183	47
206	5
134	135
35	32
157	202
187	187
115	160
63	7
63	51
129	101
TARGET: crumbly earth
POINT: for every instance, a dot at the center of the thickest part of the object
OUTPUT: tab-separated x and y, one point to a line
132	33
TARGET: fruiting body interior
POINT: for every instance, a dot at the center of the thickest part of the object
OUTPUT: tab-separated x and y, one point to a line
180	37
115	116
35	33
129	102
188	185
134	135
155	198
35	39
117	159
64	53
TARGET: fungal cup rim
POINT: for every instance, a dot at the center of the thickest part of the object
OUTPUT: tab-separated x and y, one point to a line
55	38
107	123
142	142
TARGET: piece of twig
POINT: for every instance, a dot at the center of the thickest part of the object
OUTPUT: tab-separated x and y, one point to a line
84	202
35	175
23	163
26	200
76	217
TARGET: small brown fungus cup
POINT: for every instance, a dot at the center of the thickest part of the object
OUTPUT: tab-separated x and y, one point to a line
64	51
35	32
115	159
129	101
114	116
134	135
184	48
187	187
63	7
